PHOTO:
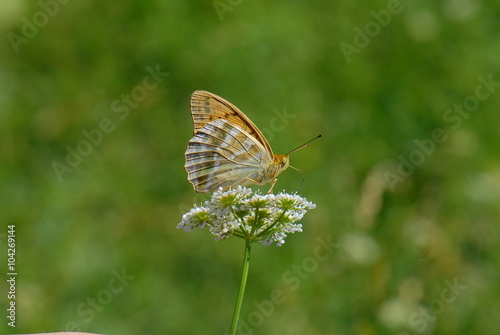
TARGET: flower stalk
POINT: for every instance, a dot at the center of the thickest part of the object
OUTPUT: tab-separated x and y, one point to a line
243	284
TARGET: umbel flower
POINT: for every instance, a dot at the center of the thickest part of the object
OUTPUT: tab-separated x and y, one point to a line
255	217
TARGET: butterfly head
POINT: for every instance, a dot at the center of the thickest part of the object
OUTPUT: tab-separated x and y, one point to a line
281	162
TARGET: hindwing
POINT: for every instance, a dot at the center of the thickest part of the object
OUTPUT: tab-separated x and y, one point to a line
223	154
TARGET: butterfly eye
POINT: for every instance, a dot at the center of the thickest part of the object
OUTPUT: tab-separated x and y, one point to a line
283	161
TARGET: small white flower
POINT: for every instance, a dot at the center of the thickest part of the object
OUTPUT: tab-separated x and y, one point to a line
233	197
197	217
261	218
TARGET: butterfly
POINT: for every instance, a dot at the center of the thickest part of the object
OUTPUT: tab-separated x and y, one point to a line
228	149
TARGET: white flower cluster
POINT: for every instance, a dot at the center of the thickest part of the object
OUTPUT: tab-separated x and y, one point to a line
253	216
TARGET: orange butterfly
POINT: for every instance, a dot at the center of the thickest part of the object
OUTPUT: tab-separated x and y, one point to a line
227	149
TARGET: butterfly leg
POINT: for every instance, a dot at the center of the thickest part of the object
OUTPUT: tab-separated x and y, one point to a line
272	185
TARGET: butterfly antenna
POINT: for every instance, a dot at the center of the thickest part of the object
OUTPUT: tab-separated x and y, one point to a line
303	176
303	146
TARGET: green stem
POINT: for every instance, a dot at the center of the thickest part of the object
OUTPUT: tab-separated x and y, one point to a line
271	226
242	227
241	293
255	221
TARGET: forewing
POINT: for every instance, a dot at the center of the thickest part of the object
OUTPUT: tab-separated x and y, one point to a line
207	107
223	154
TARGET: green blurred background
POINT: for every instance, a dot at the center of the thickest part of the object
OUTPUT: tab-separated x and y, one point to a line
419	255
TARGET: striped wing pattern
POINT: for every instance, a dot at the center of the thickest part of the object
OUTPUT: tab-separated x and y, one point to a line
207	107
222	153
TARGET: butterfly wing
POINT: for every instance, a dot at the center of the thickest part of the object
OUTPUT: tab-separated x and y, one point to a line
221	154
207	107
